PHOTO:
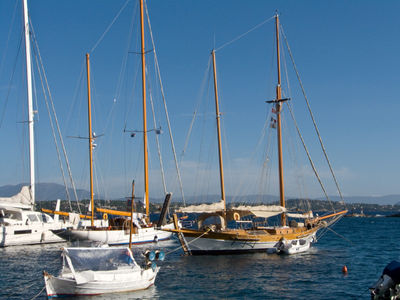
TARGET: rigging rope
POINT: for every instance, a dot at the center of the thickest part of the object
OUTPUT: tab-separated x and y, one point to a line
109	26
244	34
54	136
311	114
206	78
308	153
11	79
165	107
157	141
56	120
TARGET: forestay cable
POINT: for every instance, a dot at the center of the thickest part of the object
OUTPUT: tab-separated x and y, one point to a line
311	114
244	34
165	106
109	26
56	121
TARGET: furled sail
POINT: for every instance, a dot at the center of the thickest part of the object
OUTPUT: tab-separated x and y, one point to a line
262	211
22	200
203	208
307	215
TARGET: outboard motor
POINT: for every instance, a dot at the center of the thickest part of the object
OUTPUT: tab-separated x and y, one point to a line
386	286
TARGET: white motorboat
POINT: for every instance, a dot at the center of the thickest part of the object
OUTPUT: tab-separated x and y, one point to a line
95	271
295	246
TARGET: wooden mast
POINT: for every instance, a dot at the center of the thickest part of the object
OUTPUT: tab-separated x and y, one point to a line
218	116
278	108
90	139
146	167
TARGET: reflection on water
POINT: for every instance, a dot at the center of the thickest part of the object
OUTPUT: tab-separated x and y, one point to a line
312	275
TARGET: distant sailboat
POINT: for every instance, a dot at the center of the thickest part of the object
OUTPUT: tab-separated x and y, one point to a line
219	239
117	233
20	224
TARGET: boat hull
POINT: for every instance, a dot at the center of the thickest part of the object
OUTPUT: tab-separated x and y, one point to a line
117	237
17	235
240	242
102	283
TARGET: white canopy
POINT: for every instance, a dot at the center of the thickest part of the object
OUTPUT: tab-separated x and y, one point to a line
203	208
262	211
307	215
22	200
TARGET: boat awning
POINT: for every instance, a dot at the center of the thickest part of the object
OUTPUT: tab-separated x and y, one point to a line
307	215
203	208
98	259
262	211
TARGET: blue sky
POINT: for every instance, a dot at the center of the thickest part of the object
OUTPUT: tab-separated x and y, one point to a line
346	52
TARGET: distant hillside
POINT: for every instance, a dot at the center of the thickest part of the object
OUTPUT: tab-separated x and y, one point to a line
44	191
53	191
381	200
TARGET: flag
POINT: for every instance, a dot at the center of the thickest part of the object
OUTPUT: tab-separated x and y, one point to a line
273	123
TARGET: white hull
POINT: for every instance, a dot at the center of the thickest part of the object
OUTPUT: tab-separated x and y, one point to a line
95	271
118	237
205	246
296	246
216	246
16	235
103	283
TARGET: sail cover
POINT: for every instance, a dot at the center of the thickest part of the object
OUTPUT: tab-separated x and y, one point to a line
262	211
203	208
22	200
307	215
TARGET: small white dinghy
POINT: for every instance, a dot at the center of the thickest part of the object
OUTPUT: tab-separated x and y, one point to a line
95	271
294	246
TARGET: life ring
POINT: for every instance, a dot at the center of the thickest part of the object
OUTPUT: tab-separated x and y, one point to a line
105	216
236	216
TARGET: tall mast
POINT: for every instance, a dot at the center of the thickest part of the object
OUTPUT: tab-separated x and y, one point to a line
278	108
90	139
146	167
30	101
218	116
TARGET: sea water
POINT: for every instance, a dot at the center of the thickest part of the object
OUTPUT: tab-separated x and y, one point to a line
364	245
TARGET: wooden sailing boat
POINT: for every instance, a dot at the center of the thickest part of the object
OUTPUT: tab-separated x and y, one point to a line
219	239
118	232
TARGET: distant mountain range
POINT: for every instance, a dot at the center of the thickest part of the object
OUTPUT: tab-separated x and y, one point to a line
53	191
44	191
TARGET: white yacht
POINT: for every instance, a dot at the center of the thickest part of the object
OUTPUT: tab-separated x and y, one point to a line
20	224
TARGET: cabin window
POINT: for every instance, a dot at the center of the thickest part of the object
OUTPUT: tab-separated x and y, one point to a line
46	218
33	218
12	215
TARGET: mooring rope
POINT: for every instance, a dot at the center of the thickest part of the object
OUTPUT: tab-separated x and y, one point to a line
176	249
37	295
